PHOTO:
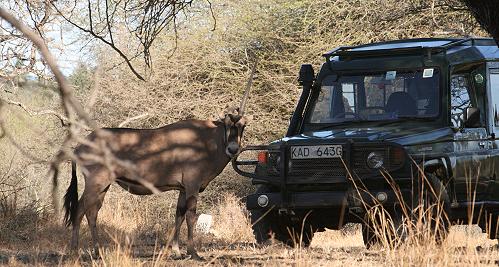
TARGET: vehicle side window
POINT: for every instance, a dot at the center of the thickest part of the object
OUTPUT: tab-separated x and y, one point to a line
460	99
322	107
349	97
494	92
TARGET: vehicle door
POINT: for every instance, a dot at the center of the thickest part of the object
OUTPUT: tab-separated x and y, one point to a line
493	96
470	160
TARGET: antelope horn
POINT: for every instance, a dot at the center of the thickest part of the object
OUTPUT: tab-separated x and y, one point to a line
246	92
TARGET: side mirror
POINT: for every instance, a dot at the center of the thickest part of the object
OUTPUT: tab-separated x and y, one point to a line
306	74
471	117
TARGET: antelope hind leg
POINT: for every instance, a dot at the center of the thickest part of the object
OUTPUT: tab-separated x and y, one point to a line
91	213
96	185
76	224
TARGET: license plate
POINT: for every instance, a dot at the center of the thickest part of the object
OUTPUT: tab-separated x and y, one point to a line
316	152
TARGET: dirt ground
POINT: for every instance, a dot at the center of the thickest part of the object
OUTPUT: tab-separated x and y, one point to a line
331	248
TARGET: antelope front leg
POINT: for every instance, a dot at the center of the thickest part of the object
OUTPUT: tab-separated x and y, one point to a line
191	223
179	219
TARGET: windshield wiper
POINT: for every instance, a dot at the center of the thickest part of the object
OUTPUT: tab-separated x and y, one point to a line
332	124
403	118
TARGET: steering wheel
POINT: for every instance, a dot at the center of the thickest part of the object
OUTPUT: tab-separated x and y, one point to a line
342	114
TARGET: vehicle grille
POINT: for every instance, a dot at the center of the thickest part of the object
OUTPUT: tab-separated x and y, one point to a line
316	170
333	170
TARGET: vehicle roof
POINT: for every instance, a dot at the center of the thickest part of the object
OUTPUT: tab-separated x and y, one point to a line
404	43
456	49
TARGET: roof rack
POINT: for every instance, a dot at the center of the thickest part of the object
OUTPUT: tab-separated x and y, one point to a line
347	50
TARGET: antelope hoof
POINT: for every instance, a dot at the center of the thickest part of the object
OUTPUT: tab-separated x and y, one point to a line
95	254
175	253
194	256
73	249
73	252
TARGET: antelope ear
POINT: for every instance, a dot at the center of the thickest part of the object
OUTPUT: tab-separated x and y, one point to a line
249	118
221	115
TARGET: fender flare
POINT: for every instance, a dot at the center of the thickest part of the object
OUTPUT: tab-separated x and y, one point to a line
436	163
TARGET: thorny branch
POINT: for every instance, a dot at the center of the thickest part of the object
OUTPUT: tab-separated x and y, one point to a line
102	38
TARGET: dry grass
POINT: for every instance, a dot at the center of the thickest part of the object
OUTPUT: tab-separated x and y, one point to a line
231	221
206	73
230	243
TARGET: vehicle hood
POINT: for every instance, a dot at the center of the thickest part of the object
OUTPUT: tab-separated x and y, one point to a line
400	135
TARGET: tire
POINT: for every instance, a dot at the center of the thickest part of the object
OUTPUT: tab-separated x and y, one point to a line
267	224
440	222
261	226
491	226
435	195
368	236
372	239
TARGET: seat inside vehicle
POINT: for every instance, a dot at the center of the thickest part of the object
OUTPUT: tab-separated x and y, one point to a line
402	104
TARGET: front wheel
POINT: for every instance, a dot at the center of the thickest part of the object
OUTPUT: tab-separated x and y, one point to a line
382	228
491	225
428	217
435	202
267	225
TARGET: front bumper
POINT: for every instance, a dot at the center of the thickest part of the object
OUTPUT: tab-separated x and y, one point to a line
298	200
320	200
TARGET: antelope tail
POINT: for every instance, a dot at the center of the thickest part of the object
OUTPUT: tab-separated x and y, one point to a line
71	198
54	168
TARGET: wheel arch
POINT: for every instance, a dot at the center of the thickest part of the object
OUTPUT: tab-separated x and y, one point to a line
439	167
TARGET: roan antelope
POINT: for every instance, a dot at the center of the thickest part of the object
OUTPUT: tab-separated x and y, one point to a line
185	156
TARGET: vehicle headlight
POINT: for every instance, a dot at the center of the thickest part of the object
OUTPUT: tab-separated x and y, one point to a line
262	201
374	160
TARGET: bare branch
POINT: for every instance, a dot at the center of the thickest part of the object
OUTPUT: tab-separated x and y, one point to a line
69	104
102	39
212	15
64	120
145	20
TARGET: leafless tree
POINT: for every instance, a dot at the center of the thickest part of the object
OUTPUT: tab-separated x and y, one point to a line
142	20
19	56
138	23
486	12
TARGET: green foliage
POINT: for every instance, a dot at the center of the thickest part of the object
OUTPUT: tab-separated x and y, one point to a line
82	79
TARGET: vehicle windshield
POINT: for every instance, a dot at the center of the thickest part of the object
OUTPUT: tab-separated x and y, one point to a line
381	96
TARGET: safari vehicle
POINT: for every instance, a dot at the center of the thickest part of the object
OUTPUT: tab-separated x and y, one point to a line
384	124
